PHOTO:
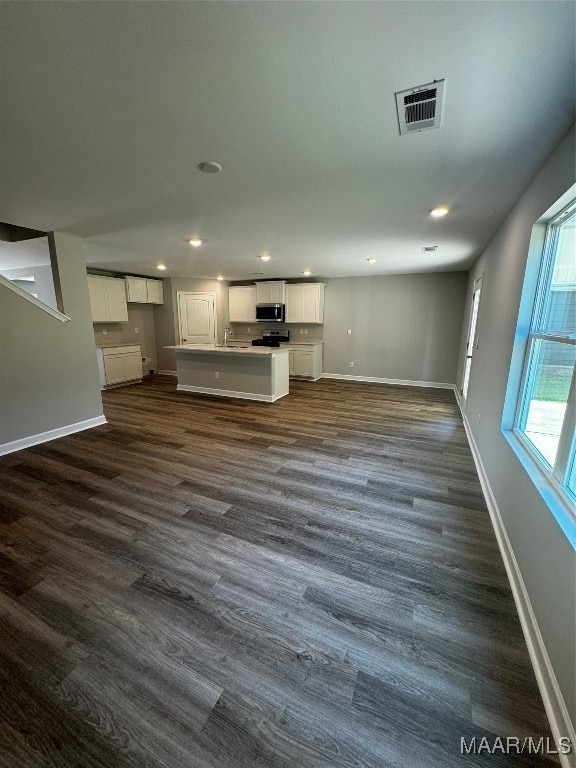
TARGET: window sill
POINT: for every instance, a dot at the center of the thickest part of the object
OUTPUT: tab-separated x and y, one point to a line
554	497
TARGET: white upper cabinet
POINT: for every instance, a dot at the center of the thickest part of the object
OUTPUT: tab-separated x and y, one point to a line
98	305
305	303
141	290
116	298
107	299
155	290
242	303
136	290
272	292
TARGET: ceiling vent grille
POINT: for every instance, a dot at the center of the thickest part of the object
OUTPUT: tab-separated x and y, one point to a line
429	248
420	108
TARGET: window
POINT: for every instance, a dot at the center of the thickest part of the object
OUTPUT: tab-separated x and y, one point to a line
29	267
546	410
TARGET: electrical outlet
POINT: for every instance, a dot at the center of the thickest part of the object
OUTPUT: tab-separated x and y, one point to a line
349	331
135	330
478	418
305	331
351	365
104	331
249	330
216	374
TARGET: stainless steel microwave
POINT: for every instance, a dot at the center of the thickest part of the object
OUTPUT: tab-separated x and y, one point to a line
270	313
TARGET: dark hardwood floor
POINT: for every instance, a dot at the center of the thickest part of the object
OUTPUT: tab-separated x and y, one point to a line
213	583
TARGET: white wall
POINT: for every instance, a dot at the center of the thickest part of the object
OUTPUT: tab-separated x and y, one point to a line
545	557
48	373
403	326
43	282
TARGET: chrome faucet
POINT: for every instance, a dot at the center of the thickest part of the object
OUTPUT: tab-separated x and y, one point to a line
227	331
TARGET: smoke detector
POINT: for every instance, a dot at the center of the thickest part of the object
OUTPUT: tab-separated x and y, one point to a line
208	166
420	108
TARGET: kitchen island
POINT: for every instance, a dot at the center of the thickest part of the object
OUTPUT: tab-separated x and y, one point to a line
251	373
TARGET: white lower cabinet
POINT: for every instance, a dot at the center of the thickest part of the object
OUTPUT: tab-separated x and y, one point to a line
133	365
305	361
301	363
113	369
119	365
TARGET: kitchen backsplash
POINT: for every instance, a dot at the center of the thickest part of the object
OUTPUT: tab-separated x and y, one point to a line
297	332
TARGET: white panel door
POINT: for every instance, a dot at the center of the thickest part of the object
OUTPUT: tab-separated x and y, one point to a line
197	318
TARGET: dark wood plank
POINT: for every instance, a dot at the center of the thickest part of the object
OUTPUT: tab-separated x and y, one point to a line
213	583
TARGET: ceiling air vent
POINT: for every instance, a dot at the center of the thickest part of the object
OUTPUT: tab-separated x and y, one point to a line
420	108
429	248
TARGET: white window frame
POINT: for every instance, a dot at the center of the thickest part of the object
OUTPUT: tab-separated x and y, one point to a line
552	482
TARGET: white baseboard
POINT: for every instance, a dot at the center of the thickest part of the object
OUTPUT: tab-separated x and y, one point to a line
403	382
166	373
230	393
554	704
51	434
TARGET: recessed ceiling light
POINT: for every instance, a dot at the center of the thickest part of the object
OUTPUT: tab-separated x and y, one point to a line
372	260
161	266
195	242
210	167
220	278
265	256
439	211
306	273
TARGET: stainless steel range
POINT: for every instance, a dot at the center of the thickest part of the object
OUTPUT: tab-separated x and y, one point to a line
271	339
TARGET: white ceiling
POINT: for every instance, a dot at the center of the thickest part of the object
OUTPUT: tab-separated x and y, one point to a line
106	109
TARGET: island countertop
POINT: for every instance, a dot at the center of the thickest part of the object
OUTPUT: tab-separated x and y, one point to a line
216	349
252	373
